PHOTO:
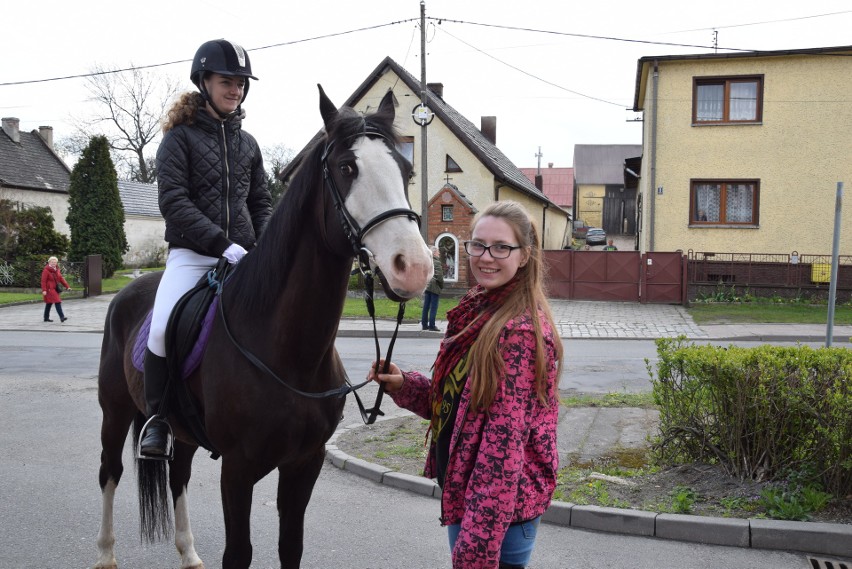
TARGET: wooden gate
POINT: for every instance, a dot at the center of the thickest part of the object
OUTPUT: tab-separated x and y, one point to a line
625	276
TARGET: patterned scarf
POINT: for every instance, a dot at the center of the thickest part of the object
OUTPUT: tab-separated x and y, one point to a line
464	324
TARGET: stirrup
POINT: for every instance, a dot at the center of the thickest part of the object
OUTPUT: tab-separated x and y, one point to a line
170	447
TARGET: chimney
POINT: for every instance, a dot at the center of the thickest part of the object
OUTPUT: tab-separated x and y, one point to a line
10	127
539	182
550	164
46	134
437	88
489	129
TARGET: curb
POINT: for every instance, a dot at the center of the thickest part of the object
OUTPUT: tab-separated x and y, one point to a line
808	537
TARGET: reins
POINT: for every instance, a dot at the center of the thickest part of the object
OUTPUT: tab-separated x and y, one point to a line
354	233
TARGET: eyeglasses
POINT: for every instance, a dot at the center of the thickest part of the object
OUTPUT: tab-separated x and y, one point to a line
498	250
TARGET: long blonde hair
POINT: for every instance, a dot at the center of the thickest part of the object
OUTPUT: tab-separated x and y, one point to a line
486	365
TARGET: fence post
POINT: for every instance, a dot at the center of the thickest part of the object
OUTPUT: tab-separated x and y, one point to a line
93	273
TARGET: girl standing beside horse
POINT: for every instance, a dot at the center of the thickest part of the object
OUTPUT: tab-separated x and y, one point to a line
492	399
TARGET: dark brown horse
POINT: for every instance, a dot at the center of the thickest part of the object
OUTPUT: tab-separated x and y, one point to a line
283	304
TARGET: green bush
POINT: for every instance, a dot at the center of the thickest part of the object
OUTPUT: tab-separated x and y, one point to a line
759	412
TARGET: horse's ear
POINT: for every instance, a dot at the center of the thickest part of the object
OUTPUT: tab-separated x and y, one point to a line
327	108
386	106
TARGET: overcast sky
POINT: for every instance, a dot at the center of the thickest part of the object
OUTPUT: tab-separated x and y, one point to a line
547	87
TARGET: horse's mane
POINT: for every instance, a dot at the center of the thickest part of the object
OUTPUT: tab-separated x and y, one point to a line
264	272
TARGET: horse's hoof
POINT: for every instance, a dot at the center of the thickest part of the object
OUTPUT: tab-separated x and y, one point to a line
199	566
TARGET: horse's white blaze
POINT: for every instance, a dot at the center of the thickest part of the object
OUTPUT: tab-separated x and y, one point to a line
396	244
106	537
184	541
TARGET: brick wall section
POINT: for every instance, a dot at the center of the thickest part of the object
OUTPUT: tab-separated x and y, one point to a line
460	227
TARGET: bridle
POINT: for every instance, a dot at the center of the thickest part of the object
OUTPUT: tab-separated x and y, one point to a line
216	279
355	234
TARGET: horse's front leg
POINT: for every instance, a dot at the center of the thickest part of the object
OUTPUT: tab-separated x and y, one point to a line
180	470
295	486
237	488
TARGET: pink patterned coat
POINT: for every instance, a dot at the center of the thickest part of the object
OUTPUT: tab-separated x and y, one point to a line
503	462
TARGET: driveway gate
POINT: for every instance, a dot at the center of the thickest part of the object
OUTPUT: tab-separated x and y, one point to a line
626	276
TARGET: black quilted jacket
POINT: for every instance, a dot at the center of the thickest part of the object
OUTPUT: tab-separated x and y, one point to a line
212	186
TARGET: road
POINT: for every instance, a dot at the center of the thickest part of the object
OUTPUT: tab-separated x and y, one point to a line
49	419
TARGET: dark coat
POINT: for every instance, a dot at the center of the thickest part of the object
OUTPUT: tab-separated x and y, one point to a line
212	186
49	278
437	282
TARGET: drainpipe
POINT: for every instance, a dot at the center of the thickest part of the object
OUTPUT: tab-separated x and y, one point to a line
651	227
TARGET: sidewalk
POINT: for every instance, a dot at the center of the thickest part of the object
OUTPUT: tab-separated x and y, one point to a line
584	432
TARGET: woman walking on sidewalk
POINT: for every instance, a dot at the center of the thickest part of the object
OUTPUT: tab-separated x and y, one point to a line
492	399
50	277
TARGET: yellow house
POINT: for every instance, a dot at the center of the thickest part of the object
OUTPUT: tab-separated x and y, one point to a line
743	152
466	171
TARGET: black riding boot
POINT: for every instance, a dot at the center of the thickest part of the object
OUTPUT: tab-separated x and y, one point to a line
155	439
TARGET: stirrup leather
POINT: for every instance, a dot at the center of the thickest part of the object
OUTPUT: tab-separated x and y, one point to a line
170	447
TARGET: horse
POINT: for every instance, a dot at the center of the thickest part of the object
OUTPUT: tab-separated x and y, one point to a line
283	303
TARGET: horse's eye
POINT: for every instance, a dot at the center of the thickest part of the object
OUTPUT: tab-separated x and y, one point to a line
347	170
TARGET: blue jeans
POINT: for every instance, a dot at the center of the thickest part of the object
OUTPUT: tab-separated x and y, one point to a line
517	545
430	309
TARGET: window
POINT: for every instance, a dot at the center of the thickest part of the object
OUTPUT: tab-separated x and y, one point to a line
446	213
406	148
727	100
724	202
451	165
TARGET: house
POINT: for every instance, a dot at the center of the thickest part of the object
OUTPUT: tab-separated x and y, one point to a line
744	151
32	174
466	171
556	183
602	198
144	225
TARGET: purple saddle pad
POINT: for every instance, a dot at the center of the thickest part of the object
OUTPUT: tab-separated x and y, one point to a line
193	359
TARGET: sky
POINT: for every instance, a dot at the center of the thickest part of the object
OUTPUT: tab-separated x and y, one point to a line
555	73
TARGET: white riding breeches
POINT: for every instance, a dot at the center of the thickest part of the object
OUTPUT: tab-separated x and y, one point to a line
184	268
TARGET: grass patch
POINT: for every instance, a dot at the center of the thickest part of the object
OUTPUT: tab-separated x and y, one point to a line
766	312
614	399
357	308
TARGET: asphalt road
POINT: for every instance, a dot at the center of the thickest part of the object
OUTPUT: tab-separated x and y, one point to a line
49	420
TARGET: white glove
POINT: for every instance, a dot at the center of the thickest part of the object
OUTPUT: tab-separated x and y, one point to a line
234	253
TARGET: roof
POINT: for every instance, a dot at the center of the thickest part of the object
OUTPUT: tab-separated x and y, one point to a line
602	163
645	62
139	198
488	154
31	165
557	183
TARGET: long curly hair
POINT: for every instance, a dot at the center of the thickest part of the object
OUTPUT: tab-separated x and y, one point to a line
184	110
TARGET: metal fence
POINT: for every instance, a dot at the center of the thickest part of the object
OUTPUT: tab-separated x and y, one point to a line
791	275
26	274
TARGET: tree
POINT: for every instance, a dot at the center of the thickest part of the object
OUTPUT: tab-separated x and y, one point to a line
95	212
132	105
28	232
276	157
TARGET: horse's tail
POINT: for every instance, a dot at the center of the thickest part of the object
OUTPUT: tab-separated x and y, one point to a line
155	517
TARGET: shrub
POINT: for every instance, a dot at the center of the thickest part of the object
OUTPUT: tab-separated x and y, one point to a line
759	412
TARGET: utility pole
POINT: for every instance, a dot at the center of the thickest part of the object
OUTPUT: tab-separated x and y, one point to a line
424	178
539	155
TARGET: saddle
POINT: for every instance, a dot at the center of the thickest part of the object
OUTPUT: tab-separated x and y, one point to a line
187	333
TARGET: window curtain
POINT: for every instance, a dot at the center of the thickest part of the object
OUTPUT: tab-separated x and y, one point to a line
711	103
708	198
738	202
743	101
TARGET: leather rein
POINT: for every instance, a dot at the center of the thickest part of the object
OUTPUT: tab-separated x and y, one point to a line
355	234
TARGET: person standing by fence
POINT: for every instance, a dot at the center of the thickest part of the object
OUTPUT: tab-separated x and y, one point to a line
51	279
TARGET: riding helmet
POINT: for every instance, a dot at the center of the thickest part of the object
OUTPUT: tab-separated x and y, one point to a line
222	57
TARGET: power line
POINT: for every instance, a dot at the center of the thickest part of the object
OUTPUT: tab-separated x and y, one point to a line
763	22
153	65
527	73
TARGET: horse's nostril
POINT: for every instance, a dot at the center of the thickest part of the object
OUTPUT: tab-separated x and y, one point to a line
399	263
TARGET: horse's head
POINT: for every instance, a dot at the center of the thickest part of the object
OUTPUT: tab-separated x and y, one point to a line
367	177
